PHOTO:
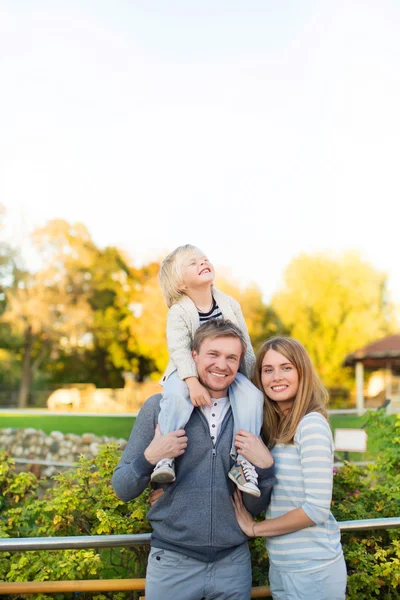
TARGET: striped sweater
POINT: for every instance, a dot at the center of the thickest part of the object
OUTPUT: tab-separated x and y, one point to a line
304	471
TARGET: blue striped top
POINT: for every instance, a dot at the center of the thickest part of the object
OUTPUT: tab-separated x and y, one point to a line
304	471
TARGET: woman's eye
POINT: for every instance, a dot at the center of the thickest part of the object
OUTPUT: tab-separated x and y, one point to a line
287	368
267	370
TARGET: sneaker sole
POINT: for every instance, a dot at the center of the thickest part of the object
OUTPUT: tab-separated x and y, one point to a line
162	478
242	488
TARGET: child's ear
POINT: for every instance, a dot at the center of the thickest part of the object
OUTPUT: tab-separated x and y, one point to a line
182	287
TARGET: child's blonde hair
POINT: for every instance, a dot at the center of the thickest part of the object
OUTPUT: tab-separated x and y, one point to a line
171	272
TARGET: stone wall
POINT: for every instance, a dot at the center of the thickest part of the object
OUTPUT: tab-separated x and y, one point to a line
56	447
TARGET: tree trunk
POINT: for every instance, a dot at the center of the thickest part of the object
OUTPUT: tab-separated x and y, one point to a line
26	376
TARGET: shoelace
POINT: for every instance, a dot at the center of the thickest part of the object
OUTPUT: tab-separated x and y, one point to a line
165	462
249	472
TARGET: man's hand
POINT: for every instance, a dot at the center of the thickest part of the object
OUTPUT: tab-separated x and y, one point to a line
199	396
155	495
170	445
253	449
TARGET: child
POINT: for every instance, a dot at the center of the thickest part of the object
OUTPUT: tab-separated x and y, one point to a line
186	279
302	535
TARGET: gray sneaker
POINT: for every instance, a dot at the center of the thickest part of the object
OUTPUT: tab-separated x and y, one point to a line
245	476
164	471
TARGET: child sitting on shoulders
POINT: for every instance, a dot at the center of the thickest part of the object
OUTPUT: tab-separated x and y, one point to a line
186	279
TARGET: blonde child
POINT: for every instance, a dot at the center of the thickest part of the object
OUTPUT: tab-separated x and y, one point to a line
186	279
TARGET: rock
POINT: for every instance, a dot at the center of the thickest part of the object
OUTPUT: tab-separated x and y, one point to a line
54	447
94	448
88	438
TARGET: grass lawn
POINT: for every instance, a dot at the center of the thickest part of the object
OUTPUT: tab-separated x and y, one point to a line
118	427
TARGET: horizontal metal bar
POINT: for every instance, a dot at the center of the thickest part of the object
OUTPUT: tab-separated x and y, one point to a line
138	539
388	523
355	463
73	542
38	461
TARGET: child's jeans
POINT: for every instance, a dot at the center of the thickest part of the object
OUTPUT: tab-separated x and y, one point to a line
246	402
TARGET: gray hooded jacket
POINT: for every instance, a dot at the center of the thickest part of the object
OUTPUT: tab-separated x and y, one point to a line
195	515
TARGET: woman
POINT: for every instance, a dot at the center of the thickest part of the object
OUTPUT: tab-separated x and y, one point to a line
302	536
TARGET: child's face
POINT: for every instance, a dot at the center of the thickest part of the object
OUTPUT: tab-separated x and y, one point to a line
197	271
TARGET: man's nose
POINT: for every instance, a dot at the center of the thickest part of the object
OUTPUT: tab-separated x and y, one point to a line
221	363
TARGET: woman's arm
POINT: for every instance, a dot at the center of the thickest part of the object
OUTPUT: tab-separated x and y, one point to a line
292	521
314	439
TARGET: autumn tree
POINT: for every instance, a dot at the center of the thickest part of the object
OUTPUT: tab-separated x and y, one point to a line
49	309
334	305
261	319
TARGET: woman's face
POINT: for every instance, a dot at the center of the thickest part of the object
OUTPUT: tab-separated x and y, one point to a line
280	379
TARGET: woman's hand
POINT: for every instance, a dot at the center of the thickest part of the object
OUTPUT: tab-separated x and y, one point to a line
243	516
155	495
253	449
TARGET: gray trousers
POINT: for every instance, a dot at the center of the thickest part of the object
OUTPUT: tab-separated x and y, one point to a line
328	583
174	576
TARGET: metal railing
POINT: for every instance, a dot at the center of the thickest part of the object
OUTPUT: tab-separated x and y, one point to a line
114	541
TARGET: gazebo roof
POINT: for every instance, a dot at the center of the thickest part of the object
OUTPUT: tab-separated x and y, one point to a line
378	354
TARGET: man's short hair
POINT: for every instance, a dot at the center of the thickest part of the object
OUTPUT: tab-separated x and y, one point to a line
216	328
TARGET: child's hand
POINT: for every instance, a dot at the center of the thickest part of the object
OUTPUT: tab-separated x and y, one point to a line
199	396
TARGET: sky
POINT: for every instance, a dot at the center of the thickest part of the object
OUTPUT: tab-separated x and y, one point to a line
256	130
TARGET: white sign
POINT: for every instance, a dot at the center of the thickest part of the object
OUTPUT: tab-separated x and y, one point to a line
351	440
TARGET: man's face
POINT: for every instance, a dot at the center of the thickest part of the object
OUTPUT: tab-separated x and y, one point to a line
217	363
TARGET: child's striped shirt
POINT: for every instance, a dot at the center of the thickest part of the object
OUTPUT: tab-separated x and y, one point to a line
304	471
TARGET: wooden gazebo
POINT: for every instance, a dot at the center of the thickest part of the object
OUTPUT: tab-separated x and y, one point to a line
382	354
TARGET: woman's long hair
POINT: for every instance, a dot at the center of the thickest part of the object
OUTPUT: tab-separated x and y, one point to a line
278	427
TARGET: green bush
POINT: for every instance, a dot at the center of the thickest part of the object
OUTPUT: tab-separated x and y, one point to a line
82	503
372	492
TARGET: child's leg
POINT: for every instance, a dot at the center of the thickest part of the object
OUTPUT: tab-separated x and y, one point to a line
247	408
175	404
175	412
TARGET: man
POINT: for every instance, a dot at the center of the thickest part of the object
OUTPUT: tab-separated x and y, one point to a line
198	550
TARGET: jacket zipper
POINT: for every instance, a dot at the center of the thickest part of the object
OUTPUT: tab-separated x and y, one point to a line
213	457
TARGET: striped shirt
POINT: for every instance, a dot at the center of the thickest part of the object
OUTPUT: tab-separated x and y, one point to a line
213	313
304	471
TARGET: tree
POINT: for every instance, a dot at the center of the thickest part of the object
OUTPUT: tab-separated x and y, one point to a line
261	319
149	325
49	309
334	305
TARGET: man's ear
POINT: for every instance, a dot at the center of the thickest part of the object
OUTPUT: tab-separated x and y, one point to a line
194	355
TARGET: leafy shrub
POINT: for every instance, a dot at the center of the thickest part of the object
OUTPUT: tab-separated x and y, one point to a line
83	503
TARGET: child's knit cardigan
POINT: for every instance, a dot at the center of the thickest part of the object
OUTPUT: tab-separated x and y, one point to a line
182	323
